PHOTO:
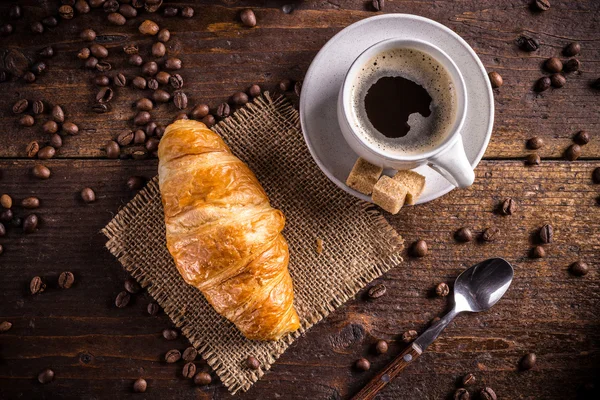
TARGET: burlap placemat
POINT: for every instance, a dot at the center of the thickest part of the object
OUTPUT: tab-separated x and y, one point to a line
359	244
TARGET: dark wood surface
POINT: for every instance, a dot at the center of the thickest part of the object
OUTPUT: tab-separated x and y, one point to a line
97	350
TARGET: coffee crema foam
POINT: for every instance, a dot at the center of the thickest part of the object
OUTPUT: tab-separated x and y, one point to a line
425	133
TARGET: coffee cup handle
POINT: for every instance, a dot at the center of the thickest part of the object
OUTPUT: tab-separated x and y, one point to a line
454	165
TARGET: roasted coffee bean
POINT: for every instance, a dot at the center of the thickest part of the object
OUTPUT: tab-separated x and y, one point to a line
38	67
139	82
376	291
190	354
46	376
540	5
223	110
29	77
582	138
378	5
490	234
150	68
98	50
254	91
30	202
136	60
26	120
596	175
239	98
150	128
111	6
419	248
152	84
463	235
101	80
172	356
148	27
558	80
142	118
70	128
32	149
176	81
20	106
535	143
7	29
209	120
140	385
158	49
298	88
2	231
163	77
252	363
527	43
285	85
144	104
461	394
572	49
248	17
37	285
66	280
509	206
542	84
46	52
82	7
579	268
159	131
57	114
139	137
170	11
161	96
120	80
5	326
381	347
112	149
409	336
528	361
88	195
153	308
131	49
573	152
173	63
46	153
553	65
152	144
1	249
125	138
135	182
180	99
36	27
104	95
6	201
200	111
89	35
180	115
362	364
101	108
533	159
468	380
164	35
189	370
66	12
152	5
117	19
538	252
50	22
122	299
127	11
6	215
14	12
91	63
546	233
84	54
202	379
442	289
41	171
487	394
103	66
187	12
56	141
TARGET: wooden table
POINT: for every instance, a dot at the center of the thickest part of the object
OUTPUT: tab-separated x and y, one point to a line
97	350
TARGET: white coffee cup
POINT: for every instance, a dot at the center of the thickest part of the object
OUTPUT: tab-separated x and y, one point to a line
448	157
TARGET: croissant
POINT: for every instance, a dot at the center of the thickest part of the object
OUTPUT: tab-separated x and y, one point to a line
223	234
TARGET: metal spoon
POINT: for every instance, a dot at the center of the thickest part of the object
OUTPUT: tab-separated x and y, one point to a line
476	289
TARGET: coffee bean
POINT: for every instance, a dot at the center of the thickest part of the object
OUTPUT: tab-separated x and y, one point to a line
381	347
38	68
6	215
125	138
101	80
542	84
528	361
461	394
190	354
254	91
538	252
535	143
29	77
84	54
582	138
30	202
46	153
6	201
111	6
117	19
139	82
66	280
150	68
66	12
7	29
173	63
1	249
553	65
409	336
527	43
540	5
378	5
546	233
172	356
14	12
298	88
159	131
376	291
148	27
46	376
487	394
181	115
26	120
101	108
161	96
596	175
30	223
131	49
187	12
41	172
176	81
127	11
152	144
152	84
579	268
285	85
82	7
140	385
89	35
442	289
463	235
189	370
122	299
144	104
490	234
200	111
32	149
104	95
132	286
5	326
572	49
558	80
252	363
533	159
170	334
202	379
57	114
36	27
495	79
120	80
153	308
163	77
419	248
139	137
103	66
88	195
47	52
50	127
37	285
158	49
164	35
2	231
248	17
20	106
223	110
468	380
180	99
362	364
239	98
136	60
91	63
112	149
573	152
209	120
70	128
170	11
509	206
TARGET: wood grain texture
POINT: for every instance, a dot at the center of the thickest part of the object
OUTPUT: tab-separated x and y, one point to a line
97	350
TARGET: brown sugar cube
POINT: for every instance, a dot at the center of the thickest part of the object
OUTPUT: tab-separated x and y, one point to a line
413	182
389	194
363	176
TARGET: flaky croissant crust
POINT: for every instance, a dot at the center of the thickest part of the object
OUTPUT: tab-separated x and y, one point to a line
224	236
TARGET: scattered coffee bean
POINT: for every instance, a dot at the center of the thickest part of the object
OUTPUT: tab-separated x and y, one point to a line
189	370
298	88
582	138
120	80
150	68
378	5
541	5
38	107
14	12
41	171
285	85
101	80
131	49
46	52
200	111
172	356
463	235
32	149
190	354
112	149
104	95
573	152
88	195
70	128
579	268
468	380
122	299
26	120
82	6
20	106
546	233
490	234
139	82
153	308
101	108
50	127
84	54
254	91
1	249
527	43
572	49
487	394
495	79
419	248
409	336
571	65
128	11
140	385
542	84
150	128
5	326
209	120
66	280
442	289
6	215
152	144
152	84
252	363
170	334
6	201
553	64
149	27
117	19
187	12
46	153
103	66
30	223
202	379
362	364
180	100
176	81
125	138
139	137
170	11
173	63
159	131
558	80
596	175
533	159
239	98
57	114
248	17
528	361
161	96
30	202
223	110
509	206
144	104
381	347
2	230
535	143
29	77
91	63
37	285
136	60
376	291
46	376
135	182
38	68
461	394
163	77
89	35
36	27
66	12
50	22
158	49
538	252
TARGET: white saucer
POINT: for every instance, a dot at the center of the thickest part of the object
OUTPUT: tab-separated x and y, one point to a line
326	74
